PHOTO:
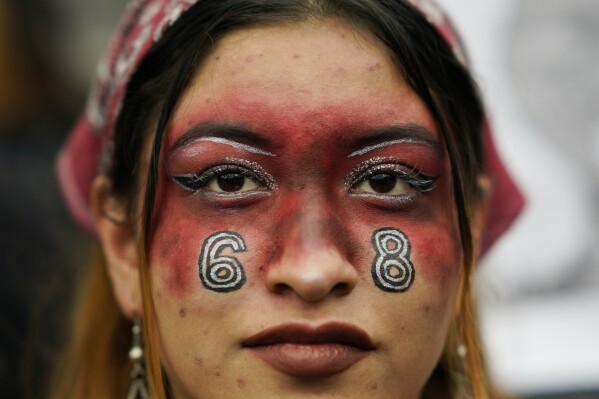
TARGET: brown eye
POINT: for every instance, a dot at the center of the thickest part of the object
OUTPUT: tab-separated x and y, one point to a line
228	179
231	183
383	183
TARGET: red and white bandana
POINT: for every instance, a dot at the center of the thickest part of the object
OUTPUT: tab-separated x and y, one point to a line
143	25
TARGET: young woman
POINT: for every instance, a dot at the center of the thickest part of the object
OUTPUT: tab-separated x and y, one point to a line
289	197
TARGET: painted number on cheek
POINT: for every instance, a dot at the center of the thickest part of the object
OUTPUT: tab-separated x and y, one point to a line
218	272
392	270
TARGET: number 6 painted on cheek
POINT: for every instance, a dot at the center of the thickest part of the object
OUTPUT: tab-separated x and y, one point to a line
218	272
392	270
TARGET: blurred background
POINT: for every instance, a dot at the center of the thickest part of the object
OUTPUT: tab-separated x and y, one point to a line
537	63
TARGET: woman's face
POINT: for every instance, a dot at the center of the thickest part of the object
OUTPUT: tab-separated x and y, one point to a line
306	242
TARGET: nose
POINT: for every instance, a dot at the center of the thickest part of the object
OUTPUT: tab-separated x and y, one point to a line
313	275
312	264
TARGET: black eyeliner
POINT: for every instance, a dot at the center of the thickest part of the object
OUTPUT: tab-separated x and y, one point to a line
409	175
194	182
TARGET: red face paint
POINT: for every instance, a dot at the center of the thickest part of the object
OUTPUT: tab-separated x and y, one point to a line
309	202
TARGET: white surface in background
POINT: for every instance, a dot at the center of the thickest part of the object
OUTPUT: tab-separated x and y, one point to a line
544	344
542	332
594	136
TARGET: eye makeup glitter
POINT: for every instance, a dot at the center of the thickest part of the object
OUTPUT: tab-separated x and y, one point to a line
194	182
409	175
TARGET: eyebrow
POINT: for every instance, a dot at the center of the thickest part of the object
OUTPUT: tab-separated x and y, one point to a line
234	135
408	133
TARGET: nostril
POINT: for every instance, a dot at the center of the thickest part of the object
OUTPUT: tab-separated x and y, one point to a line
281	288
341	289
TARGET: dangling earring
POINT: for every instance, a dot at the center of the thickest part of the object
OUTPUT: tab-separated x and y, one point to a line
138	388
461	351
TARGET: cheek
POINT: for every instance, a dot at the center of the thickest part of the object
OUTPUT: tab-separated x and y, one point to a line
436	243
436	254
181	231
176	244
174	255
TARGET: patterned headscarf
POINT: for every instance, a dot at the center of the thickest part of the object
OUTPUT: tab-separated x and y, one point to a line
143	25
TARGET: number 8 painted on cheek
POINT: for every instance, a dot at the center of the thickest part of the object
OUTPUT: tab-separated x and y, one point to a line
218	272
392	270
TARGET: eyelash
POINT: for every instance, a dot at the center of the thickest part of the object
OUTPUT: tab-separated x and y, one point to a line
197	181
421	182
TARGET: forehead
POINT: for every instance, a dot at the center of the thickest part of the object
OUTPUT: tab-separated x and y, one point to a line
327	59
321	73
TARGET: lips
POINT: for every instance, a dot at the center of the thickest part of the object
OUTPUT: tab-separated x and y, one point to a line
300	350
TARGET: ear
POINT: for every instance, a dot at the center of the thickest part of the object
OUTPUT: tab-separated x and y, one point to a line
115	234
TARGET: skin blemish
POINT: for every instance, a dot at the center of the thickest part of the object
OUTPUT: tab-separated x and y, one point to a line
296	56
182	312
374	67
249	59
374	386
199	362
241	383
